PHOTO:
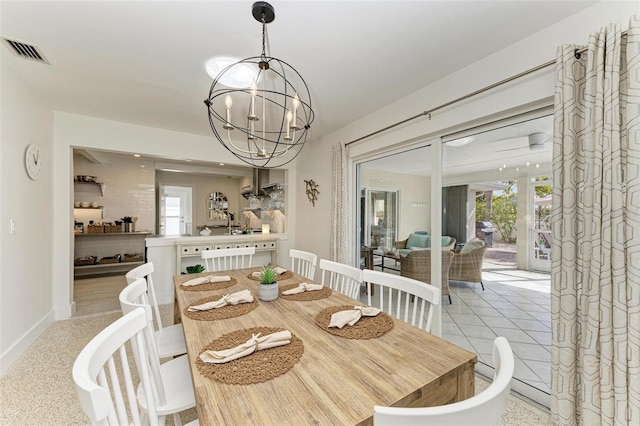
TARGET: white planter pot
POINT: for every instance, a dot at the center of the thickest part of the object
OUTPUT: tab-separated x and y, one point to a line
267	292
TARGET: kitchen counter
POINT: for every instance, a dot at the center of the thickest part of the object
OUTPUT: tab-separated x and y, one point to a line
161	240
171	255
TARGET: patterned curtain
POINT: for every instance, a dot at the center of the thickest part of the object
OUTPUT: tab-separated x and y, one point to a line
339	234
595	295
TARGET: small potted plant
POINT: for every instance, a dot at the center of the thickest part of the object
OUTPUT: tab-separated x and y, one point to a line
268	286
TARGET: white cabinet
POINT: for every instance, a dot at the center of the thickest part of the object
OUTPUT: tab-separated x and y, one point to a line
189	253
194	249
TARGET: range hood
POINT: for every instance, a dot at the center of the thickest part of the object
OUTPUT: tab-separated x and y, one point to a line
260	184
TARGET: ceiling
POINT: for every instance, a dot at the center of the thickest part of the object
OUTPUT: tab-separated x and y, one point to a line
144	61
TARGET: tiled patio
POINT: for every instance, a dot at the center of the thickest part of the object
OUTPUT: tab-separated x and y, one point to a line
515	304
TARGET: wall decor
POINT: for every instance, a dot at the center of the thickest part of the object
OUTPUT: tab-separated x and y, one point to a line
312	191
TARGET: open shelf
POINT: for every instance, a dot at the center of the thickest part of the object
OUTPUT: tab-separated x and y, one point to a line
100	184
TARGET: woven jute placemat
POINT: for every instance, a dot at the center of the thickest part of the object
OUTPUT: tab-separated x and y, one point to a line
209	286
365	328
306	295
258	367
280	277
228	311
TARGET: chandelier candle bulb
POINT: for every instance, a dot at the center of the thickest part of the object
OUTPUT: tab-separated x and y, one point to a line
296	104
228	103
289	117
254	92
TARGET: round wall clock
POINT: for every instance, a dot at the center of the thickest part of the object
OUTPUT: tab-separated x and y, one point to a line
33	162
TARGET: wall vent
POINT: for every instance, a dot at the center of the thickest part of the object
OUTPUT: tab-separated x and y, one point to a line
25	50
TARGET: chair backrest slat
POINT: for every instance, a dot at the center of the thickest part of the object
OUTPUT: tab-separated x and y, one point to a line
226	259
341	278
133	297
303	263
109	401
408	300
145	271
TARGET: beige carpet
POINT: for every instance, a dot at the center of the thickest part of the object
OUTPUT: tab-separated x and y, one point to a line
38	388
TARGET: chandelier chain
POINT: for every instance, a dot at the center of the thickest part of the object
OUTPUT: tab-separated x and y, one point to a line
264	37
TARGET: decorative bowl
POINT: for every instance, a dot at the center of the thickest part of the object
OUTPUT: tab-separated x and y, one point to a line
85	204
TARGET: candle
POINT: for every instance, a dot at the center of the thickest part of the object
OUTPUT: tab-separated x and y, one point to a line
228	102
296	104
254	91
289	117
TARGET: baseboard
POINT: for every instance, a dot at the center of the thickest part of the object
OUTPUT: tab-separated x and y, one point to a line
12	354
66	312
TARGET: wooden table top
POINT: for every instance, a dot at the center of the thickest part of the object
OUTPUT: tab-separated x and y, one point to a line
337	380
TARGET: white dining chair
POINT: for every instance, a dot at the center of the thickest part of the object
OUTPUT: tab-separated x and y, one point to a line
169	339
486	408
303	263
173	384
342	278
225	259
407	299
103	375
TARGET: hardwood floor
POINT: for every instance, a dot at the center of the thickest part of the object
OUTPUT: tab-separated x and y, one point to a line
97	295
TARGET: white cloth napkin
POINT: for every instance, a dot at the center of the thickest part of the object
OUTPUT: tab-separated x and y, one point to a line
352	316
302	287
207	279
278	270
238	297
256	343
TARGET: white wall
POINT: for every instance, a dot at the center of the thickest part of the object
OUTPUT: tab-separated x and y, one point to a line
412	189
536	89
129	189
26	302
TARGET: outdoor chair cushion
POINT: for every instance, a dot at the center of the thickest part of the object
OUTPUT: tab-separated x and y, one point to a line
417	242
472	245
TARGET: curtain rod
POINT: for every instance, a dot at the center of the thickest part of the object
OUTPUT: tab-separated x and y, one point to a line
469	95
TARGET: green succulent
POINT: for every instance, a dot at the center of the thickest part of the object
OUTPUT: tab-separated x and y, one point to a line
268	275
195	269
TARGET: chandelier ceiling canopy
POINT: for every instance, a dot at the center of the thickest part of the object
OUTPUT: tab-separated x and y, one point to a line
259	107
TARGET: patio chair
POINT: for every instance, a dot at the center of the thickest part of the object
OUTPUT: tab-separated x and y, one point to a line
467	262
417	265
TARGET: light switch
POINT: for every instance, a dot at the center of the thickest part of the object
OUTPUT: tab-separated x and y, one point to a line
12	227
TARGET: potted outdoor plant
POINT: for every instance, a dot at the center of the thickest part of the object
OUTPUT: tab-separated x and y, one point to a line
268	286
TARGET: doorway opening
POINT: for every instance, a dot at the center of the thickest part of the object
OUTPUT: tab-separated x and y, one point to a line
175	210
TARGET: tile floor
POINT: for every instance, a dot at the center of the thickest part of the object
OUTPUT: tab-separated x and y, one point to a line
515	304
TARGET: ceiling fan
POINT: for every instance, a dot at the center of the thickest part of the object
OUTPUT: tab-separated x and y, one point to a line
536	141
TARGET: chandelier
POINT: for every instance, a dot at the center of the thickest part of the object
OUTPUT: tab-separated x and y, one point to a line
264	122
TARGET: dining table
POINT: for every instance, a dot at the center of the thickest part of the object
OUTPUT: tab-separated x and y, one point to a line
334	381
